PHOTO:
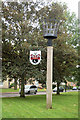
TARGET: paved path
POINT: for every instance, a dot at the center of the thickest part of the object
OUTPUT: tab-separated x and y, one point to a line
15	94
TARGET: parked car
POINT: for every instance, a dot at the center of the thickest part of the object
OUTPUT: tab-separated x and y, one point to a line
61	89
29	89
40	87
79	88
74	88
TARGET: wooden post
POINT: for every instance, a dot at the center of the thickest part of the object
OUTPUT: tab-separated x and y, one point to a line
49	76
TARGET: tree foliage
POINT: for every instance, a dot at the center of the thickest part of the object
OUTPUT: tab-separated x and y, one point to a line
22	32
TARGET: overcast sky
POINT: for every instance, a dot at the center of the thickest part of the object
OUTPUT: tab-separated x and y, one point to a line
72	5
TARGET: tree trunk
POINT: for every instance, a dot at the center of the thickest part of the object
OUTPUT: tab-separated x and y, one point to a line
65	88
58	93
19	83
15	84
22	88
8	83
65	85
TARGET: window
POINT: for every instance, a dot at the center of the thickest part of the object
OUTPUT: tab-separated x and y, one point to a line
33	87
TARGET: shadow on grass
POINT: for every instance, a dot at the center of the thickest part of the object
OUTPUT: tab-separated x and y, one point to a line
40	119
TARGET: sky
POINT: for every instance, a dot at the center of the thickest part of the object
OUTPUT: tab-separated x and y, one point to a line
72	5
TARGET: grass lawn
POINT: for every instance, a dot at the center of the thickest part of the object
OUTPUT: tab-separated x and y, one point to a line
12	90
9	90
64	106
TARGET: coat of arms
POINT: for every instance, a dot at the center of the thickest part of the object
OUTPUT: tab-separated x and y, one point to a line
35	57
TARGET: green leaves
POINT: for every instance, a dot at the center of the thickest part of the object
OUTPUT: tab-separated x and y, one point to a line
22	32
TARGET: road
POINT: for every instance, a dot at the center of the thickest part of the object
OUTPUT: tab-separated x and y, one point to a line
15	94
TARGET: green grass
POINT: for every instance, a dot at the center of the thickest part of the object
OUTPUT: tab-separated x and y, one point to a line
64	106
41	90
9	90
12	90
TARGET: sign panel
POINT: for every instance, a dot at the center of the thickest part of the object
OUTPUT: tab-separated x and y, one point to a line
35	57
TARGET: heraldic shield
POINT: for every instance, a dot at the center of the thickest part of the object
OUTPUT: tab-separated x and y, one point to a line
35	57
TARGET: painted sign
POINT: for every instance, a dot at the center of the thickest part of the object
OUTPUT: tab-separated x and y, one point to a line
35	57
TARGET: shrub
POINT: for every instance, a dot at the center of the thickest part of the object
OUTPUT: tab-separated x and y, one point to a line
12	85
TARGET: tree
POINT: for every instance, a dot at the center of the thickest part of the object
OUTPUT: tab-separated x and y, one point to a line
22	32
